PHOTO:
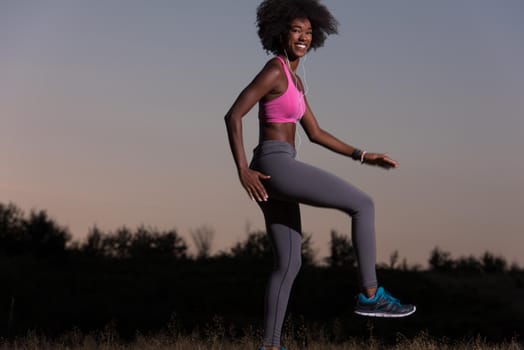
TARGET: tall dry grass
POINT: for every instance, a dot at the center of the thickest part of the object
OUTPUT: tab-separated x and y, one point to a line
108	340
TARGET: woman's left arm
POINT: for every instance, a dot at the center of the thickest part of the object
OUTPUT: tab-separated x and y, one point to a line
319	136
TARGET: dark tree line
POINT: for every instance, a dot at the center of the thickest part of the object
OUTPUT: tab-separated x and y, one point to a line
142	243
442	261
141	277
39	235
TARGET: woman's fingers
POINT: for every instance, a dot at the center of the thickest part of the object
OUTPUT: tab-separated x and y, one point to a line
390	162
258	193
254	186
261	190
382	159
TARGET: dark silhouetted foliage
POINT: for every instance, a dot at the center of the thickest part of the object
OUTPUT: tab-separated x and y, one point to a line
488	263
492	263
342	253
12	236
440	260
143	243
38	235
257	246
203	240
468	264
136	279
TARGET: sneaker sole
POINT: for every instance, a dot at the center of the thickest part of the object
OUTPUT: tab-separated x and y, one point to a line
385	315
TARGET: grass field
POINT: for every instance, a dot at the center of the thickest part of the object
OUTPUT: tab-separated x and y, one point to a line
107	340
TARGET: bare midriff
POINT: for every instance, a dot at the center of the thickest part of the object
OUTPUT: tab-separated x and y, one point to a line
278	131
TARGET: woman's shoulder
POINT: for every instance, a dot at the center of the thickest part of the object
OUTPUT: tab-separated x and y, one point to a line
275	62
273	67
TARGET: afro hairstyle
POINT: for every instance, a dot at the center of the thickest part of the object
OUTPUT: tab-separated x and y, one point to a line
273	17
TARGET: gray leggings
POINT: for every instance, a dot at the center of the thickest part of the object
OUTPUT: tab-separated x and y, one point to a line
293	182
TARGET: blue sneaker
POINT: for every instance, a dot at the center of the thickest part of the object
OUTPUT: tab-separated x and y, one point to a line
382	305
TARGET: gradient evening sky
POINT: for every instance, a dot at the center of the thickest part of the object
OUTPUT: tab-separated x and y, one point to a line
111	114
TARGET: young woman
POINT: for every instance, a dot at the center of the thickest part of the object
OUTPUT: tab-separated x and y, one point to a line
279	183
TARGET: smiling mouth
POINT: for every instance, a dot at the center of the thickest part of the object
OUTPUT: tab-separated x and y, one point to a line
301	46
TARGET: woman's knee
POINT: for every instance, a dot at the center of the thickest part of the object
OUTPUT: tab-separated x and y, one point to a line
364	204
368	203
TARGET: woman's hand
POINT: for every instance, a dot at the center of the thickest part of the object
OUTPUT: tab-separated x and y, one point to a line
380	159
250	179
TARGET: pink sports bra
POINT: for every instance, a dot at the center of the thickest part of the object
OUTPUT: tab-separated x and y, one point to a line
286	108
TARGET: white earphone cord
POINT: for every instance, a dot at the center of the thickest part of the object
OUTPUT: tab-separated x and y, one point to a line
306	90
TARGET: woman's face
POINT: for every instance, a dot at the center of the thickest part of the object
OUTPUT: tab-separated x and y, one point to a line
299	38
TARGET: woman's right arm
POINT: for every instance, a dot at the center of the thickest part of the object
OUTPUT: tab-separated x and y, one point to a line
263	84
